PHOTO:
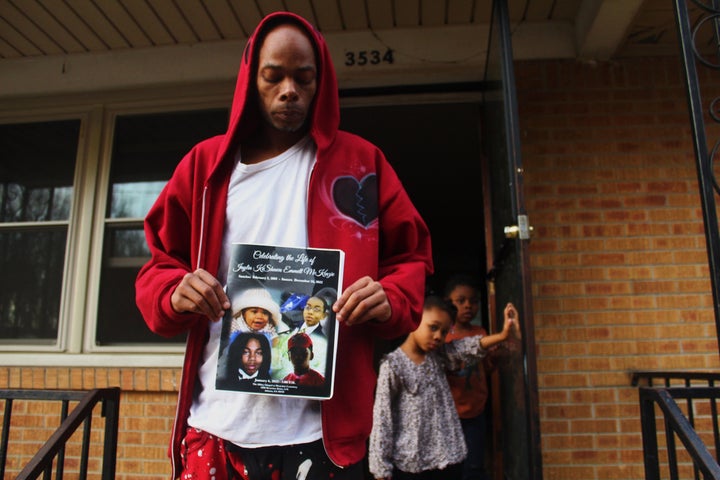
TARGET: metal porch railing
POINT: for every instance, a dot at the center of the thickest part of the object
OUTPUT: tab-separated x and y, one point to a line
687	404
52	453
694	419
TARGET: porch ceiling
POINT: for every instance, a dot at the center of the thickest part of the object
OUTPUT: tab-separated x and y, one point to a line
602	29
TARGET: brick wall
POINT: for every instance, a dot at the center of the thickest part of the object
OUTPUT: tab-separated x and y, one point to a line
147	407
619	267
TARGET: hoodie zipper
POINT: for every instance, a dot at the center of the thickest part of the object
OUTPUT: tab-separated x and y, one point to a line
187	340
307	223
202	227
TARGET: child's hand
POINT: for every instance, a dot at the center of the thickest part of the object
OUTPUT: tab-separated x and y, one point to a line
512	320
511	324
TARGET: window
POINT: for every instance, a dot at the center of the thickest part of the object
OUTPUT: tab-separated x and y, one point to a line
36	192
61	284
146	150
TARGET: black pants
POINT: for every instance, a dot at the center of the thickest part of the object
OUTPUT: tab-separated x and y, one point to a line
293	462
452	472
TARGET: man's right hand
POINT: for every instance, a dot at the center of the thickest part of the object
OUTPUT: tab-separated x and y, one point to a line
200	292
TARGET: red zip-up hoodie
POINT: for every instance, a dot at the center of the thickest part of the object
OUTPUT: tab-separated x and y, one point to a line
356	203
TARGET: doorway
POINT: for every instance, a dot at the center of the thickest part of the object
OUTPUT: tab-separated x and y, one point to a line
440	156
436	151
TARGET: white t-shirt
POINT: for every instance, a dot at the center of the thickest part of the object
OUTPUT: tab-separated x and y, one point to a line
267	204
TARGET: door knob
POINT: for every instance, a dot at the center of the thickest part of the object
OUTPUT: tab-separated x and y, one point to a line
522	230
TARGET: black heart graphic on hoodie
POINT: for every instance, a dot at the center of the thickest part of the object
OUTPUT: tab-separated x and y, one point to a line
357	199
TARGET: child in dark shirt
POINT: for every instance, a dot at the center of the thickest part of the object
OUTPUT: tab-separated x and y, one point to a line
469	383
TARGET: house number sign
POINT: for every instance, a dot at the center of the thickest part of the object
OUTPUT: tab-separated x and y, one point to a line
361	58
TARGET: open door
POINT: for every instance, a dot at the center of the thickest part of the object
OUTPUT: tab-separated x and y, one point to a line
507	232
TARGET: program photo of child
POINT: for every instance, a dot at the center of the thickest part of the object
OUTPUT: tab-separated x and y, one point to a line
261	353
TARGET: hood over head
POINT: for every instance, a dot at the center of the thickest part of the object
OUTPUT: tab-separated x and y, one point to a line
324	116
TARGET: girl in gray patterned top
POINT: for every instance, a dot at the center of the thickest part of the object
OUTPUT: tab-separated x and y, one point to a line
416	432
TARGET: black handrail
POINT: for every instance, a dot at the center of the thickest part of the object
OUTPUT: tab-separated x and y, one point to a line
676	425
667	376
54	448
691	35
692	386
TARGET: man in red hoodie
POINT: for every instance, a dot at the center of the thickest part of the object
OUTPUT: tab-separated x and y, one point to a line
282	174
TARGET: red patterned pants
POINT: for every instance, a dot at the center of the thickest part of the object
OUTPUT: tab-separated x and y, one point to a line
207	457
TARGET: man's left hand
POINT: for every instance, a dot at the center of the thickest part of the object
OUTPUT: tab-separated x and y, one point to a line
362	301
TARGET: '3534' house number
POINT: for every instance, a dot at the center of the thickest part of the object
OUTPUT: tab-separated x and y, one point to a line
368	57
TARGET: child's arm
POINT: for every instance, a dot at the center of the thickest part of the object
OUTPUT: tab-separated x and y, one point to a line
512	322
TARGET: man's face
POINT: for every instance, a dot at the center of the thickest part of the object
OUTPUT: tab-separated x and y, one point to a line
286	78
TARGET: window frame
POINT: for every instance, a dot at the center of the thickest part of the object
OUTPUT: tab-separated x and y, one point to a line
100	220
77	325
75	241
